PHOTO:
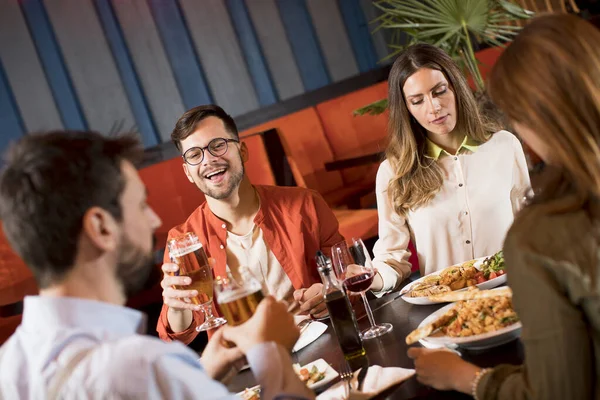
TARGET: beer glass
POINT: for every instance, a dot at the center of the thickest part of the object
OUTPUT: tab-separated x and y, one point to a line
238	298
353	267
187	252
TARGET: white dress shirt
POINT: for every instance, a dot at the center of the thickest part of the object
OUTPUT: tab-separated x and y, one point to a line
468	218
121	363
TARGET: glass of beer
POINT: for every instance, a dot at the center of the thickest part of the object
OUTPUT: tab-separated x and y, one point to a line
187	252
238	298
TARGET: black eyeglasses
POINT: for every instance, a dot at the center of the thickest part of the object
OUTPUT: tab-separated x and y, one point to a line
217	147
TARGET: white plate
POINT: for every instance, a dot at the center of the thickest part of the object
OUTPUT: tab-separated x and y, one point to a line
322	366
489	284
475	342
310	334
252	388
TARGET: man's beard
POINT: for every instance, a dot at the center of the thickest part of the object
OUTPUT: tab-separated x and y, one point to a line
134	267
216	194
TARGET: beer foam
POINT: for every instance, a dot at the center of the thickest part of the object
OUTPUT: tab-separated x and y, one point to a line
186	250
235	294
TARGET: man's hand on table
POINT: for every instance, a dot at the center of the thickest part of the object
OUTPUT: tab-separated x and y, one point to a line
311	301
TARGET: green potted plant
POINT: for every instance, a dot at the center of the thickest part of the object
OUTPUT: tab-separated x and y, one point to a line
453	25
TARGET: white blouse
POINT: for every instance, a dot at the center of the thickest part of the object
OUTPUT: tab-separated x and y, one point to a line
468	218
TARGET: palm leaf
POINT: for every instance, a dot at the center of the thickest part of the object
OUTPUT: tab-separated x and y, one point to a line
449	24
375	108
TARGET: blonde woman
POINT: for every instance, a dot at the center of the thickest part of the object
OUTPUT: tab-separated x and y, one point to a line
450	182
548	83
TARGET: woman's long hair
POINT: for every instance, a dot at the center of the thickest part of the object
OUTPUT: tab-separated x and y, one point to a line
417	179
548	80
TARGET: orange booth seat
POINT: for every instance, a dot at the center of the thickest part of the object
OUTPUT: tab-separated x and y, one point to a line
16	282
307	149
352	136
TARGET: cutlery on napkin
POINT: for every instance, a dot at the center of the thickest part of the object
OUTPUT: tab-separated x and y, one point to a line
376	381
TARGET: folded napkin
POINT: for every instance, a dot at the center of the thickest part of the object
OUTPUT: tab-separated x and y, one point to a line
377	380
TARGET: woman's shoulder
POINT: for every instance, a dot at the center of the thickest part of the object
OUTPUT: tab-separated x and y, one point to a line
539	229
503	137
385	169
385	173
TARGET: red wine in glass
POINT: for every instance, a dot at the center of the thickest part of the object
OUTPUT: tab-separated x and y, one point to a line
360	282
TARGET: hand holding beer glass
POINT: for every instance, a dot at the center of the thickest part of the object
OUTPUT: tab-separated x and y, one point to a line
238	298
187	252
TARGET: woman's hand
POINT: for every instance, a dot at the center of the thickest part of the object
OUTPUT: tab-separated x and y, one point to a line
443	369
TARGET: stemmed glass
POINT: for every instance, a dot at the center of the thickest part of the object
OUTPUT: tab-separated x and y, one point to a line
187	252
354	267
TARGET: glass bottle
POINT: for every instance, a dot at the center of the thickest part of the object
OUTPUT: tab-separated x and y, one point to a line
340	310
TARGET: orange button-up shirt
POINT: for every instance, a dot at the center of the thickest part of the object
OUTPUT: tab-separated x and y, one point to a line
295	222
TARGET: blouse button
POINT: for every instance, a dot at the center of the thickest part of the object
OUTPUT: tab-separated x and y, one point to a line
223	226
460	185
468	242
455	158
221	247
466	213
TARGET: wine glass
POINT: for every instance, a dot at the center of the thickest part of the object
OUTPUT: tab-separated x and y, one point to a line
187	252
354	268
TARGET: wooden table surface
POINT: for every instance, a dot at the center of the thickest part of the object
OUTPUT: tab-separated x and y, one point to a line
390	350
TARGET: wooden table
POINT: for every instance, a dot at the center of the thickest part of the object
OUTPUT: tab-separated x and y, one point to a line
390	350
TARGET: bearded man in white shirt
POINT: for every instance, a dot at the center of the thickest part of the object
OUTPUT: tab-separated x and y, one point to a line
74	208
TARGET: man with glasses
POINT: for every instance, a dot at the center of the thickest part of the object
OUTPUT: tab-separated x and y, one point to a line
274	231
74	208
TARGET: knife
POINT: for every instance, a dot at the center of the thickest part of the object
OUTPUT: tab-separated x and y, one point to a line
362	375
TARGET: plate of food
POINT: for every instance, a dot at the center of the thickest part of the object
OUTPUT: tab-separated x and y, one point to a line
252	393
315	375
483	273
480	319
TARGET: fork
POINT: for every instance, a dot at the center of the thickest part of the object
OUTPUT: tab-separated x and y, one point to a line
302	325
346	375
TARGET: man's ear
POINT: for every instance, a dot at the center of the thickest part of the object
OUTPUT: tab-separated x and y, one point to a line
244	152
101	229
187	172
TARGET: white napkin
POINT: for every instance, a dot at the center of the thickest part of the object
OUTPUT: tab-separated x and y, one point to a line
377	380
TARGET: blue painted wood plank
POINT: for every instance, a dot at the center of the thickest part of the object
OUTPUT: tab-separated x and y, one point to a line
359	33
248	41
218	48
332	36
11	124
180	50
276	48
51	57
381	37
151	63
24	71
131	83
91	65
302	37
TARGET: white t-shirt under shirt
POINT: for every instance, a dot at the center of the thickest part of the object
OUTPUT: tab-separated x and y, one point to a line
251	250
